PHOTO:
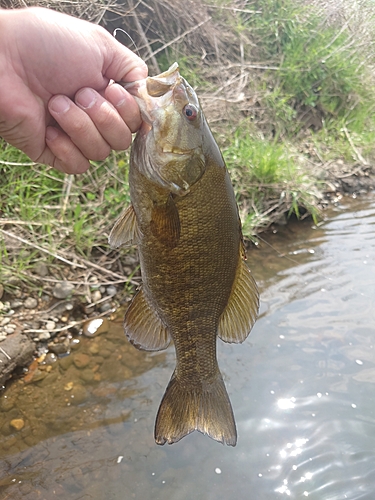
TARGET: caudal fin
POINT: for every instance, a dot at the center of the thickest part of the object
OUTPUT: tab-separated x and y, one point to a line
205	408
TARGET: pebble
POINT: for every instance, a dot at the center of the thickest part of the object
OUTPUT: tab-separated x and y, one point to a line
17	424
2	337
111	290
50	358
9	329
105	307
4	321
59	348
15	304
81	360
41	269
95	327
50	325
68	306
30	303
80	394
96	295
62	290
44	336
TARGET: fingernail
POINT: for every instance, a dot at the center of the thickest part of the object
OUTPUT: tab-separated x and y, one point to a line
51	133
118	96
86	98
59	104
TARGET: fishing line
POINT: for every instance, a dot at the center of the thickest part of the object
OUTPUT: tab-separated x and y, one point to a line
130	38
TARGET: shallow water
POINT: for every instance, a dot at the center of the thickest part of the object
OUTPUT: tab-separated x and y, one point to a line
302	388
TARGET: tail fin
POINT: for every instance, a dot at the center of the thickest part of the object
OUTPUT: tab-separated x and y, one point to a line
205	408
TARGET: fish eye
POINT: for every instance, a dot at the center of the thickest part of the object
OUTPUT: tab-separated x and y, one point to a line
190	111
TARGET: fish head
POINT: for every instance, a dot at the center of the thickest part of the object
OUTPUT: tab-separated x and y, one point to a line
168	149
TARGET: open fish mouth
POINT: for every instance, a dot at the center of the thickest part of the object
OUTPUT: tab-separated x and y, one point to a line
156	86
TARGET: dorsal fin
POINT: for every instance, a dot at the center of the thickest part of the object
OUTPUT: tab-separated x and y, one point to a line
126	230
143	327
241	312
165	223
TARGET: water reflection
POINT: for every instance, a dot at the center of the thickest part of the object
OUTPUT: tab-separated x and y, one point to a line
302	389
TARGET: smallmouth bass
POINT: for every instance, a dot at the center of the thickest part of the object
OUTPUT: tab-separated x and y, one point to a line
195	284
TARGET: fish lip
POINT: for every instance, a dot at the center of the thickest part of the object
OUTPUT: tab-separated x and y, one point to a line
156	86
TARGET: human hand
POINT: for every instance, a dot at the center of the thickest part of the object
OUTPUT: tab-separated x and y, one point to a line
56	103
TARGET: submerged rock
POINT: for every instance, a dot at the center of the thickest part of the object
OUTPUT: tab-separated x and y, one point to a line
17	424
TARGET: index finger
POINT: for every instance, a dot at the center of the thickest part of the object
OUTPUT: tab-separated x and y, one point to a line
123	64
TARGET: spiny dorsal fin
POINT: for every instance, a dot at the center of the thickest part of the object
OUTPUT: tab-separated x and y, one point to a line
126	230
165	223
143	327
241	312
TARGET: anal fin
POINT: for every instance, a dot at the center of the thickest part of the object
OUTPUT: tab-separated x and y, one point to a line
126	230
143	327
241	311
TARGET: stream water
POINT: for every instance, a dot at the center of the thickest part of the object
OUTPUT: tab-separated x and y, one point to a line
302	388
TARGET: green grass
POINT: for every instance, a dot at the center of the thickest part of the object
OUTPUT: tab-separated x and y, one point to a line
64	214
268	180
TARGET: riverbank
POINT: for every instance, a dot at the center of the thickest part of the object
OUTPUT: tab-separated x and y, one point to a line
292	114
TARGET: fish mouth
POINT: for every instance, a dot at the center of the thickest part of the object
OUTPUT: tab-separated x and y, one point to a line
155	92
156	86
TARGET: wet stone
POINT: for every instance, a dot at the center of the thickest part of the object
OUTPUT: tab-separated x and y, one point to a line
80	394
62	290
30	303
50	358
106	353
59	348
87	375
94	349
65	362
95	327
17	424
81	360
6	404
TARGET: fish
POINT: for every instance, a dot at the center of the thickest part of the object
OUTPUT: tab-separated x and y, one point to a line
196	285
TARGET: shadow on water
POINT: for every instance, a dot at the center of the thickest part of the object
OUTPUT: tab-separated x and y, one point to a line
302	388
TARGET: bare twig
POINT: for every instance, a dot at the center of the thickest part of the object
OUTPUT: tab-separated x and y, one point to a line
356	152
5	354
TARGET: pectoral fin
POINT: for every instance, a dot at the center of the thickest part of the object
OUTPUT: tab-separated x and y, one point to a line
126	230
165	223
143	327
241	312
